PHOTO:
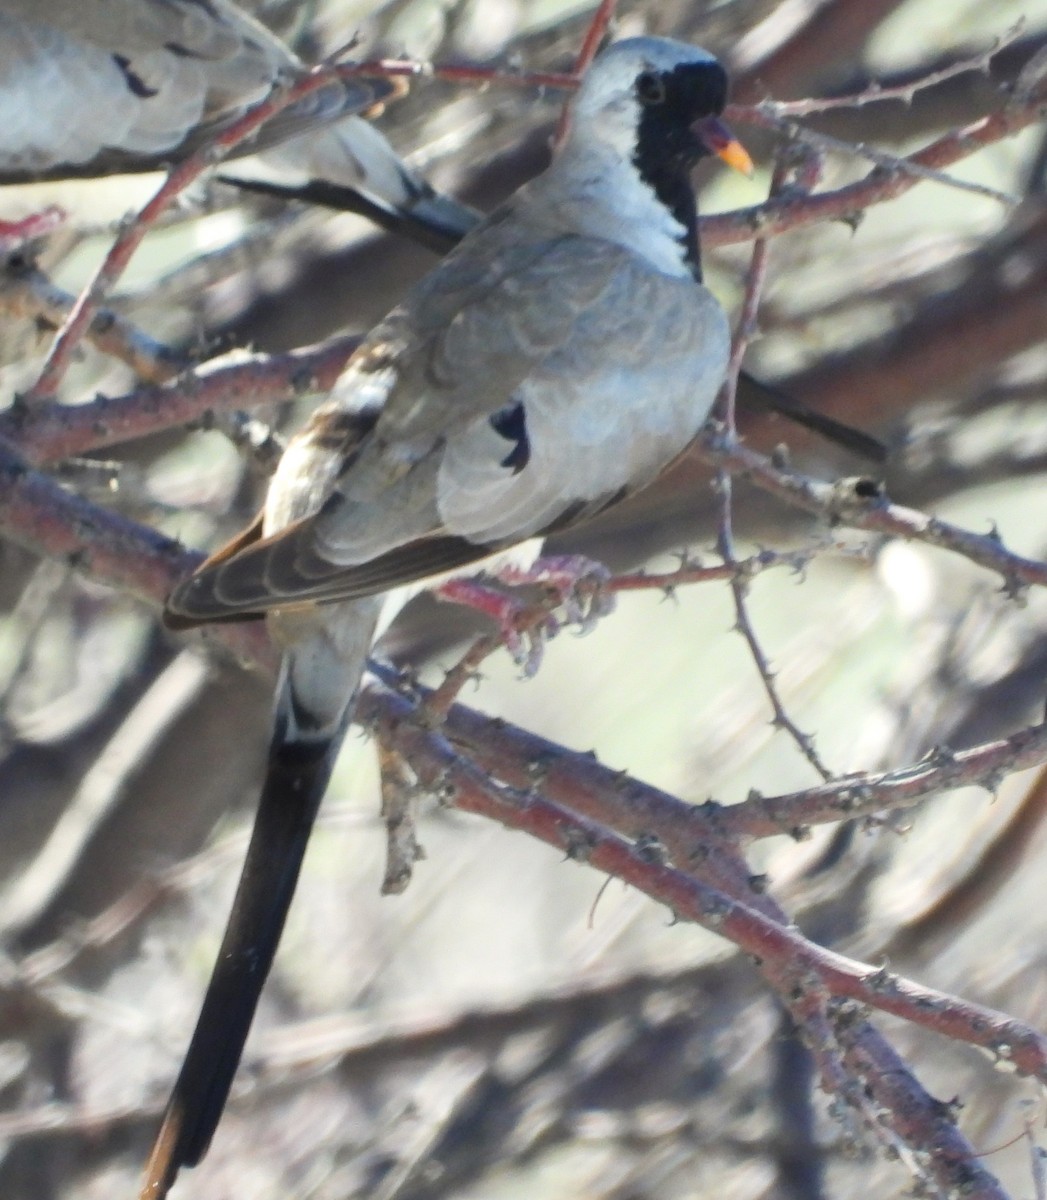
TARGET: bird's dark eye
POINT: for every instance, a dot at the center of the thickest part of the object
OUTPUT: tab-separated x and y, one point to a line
650	88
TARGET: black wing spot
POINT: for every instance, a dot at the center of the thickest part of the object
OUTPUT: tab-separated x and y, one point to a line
135	83
511	423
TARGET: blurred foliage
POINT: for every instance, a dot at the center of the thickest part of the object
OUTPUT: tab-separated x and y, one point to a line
508	1027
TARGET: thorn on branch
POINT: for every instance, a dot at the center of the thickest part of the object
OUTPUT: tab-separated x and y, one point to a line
881	980
651	849
578	846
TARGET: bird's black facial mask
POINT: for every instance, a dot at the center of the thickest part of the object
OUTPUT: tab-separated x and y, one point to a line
667	144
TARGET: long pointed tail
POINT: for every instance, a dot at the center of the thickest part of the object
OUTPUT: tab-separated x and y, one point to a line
295	782
325	654
856	441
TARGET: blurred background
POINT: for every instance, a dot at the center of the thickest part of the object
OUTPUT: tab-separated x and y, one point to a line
506	1027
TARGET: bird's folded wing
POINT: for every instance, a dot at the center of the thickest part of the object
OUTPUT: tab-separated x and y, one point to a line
451	357
481	323
284	571
561	331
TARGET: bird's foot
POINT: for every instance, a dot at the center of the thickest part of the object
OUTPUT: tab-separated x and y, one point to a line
524	628
578	583
14	234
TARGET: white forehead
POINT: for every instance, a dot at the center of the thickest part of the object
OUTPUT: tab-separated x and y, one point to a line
613	75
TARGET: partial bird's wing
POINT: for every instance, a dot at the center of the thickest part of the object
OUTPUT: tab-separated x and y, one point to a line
102	86
109	86
217	30
480	380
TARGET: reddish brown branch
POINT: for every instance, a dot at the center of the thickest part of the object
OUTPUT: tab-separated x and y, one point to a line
15	234
590	44
779	950
44	517
924	1124
864	795
40	515
794	212
27	292
688	830
862	504
49	431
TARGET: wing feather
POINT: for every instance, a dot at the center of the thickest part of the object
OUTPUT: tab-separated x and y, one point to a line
121	85
283	572
557	323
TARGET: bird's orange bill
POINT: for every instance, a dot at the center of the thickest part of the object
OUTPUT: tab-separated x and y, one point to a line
722	142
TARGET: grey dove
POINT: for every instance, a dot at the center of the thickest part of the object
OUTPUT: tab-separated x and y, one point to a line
556	361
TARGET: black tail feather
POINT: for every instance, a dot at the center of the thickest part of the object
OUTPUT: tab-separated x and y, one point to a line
766	395
295	781
436	226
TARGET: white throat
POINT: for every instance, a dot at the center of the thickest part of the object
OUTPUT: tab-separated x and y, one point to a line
595	188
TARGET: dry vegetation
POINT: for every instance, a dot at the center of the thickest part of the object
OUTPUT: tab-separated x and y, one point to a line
873	742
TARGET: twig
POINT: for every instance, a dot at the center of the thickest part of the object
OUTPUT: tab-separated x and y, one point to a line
883	158
794	212
50	431
14	234
906	92
399	797
743	624
739	584
27	292
776	947
863	504
439	701
690	572
590	44
887	791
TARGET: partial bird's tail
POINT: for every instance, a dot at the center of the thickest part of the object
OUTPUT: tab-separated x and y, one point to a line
856	441
350	166
309	730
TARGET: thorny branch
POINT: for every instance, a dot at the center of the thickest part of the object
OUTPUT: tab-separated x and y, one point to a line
891	178
739	585
791	964
687	857
903	93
